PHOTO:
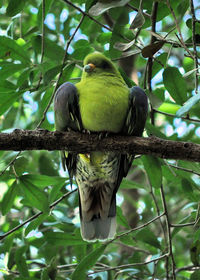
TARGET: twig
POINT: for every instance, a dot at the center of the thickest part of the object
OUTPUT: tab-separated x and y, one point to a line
86	14
197	214
131	264
43	31
188	267
184	169
182	225
150	60
194	45
158	210
60	74
136	228
136	9
35	216
174	116
168	232
9	164
179	30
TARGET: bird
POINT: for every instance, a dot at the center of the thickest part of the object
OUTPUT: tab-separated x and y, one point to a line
100	103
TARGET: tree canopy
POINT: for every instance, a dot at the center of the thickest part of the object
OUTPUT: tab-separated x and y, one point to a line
156	46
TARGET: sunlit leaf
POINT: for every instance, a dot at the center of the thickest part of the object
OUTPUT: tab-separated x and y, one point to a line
101	7
188	105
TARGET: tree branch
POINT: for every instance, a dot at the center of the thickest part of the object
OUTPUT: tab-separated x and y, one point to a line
20	140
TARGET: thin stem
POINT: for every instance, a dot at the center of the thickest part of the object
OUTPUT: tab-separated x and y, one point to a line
194	45
9	164
131	264
136	228
86	14
174	116
61	71
150	60
179	30
168	232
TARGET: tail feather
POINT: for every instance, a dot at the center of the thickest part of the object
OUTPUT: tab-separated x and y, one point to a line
97	212
101	229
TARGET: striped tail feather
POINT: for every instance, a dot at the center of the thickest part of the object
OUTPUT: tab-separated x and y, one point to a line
97	212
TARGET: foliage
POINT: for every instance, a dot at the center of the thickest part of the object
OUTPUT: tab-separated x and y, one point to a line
42	45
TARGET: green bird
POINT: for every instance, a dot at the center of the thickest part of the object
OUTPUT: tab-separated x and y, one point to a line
102	103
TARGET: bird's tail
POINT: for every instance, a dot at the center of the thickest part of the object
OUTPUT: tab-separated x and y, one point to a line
98	213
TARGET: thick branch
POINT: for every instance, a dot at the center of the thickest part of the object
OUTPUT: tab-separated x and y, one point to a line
20	140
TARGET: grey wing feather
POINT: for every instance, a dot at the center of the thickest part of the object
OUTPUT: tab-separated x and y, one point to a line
67	116
134	125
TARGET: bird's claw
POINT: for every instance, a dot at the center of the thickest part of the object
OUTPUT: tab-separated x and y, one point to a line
103	134
86	131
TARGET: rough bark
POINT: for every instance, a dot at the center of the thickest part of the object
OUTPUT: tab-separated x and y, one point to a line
20	140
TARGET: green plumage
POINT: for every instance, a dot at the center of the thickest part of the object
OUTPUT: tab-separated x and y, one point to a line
100	102
103	96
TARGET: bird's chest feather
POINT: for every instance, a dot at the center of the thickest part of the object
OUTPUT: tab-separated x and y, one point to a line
103	105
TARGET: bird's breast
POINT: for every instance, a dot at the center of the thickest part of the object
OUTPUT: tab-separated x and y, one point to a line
103	105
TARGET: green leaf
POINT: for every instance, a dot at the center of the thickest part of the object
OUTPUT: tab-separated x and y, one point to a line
6	86
147	236
195	252
188	105
153	169
195	275
67	72
7	99
10	69
43	180
159	63
51	73
175	84
121	219
128	184
15	49
14	7
9	198
21	261
35	223
187	189
52	49
63	239
87	263
170	108
34	195
101	7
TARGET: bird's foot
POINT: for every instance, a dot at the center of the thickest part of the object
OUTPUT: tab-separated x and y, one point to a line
103	134
86	131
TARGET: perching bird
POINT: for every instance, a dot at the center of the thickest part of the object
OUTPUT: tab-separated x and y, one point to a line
101	102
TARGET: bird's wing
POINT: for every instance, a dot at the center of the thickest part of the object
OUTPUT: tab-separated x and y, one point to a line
67	116
133	125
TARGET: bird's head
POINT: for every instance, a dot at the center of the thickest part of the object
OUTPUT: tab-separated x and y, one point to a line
97	63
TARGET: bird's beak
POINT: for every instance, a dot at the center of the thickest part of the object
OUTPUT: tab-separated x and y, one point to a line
89	67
